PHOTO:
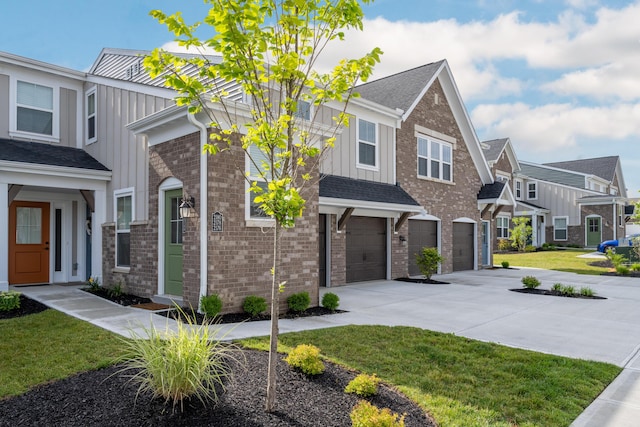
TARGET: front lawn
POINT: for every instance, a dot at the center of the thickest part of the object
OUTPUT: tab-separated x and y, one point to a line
463	382
562	260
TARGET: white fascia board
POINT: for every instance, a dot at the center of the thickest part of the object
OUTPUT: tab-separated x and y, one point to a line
54	179
41	66
363	204
160	92
606	200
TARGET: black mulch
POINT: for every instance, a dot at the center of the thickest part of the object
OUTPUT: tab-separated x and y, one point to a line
122	299
199	318
27	306
105	398
553	293
422	280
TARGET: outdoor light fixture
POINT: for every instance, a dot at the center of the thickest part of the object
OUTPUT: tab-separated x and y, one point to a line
186	207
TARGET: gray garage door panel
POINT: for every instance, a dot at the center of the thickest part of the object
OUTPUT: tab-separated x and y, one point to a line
366	249
463	246
421	234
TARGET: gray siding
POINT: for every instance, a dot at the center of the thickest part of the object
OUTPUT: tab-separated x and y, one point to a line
117	148
68	117
4	106
560	200
560	177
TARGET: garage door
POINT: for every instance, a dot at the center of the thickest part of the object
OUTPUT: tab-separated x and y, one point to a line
421	234
366	249
463	246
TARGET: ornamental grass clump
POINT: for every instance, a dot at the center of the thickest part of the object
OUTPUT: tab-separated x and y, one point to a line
330	301
178	365
530	282
367	415
9	300
306	359
363	385
586	291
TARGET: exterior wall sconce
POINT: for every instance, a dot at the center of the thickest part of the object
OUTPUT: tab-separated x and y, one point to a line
187	206
402	238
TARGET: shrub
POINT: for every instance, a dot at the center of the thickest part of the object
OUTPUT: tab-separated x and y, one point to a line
363	385
622	270
530	282
557	287
299	302
9	300
367	415
503	245
175	365
93	283
306	359
587	292
521	233
505	264
428	261
530	248
548	247
635	267
254	305
117	289
211	305
616	259
330	301
568	290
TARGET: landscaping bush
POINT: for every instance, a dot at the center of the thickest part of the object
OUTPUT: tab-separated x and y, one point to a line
330	301
254	305
622	270
635	267
557	287
9	300
568	290
211	305
587	292
520	233
299	302
363	385
306	359
428	261
616	259
548	247
530	248
367	415
503	245
530	282
176	365
505	264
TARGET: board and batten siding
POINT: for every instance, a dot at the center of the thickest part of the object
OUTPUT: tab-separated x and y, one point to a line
561	200
342	161
4	106
118	148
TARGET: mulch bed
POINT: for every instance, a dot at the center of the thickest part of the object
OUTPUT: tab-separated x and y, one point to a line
27	306
553	293
122	299
199	318
422	280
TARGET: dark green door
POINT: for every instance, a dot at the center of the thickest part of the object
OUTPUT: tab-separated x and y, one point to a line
173	228
594	233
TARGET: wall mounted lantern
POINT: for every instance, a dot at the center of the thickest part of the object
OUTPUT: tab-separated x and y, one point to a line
187	206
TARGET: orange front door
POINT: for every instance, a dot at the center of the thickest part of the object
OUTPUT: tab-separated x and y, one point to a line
28	242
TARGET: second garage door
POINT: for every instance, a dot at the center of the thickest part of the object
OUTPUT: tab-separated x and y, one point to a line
463	246
421	234
366	249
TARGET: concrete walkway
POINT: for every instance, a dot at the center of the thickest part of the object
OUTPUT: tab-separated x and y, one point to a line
475	304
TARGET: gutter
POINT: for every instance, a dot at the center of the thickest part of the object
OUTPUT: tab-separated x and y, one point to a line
203	207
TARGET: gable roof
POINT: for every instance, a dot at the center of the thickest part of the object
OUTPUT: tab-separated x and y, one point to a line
493	148
553	174
491	191
405	89
339	187
47	154
604	167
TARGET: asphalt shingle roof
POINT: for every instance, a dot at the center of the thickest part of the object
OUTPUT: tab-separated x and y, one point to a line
491	191
399	90
47	154
339	187
604	167
493	148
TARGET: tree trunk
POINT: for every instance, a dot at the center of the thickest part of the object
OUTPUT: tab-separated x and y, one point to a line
275	308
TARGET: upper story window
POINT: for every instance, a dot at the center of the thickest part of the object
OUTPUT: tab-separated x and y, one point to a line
532	190
34	108
434	159
518	189
367	154
91	116
124	214
304	110
255	170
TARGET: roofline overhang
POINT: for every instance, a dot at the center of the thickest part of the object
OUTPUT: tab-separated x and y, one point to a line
369	205
531	208
42	66
62	171
603	200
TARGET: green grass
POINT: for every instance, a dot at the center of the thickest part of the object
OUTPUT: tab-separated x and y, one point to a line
563	260
462	382
48	346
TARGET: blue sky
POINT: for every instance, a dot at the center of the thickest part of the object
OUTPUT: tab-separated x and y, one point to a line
559	77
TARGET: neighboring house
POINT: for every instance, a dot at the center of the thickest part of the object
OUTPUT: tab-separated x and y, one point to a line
580	202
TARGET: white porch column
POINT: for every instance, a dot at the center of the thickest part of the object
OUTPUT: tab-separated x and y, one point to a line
534	232
99	217
4	236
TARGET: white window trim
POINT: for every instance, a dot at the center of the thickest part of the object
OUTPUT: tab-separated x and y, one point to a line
508	218
88	93
428	158
123	192
13	110
535	184
553	221
517	182
249	220
376	146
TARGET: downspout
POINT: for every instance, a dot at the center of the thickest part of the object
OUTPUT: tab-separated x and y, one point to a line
203	206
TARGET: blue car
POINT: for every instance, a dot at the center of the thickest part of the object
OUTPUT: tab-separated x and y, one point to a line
608	244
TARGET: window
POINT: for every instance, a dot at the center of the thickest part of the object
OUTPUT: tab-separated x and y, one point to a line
434	159
532	190
518	189
367	144
34	108
304	110
560	227
123	217
255	175
91	116
502	226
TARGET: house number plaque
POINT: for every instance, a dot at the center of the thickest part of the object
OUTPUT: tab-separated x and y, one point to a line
216	222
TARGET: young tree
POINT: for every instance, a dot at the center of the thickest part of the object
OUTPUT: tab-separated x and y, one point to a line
270	48
521	233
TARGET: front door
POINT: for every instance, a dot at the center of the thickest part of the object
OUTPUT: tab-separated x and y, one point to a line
594	233
28	242
485	243
173	228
